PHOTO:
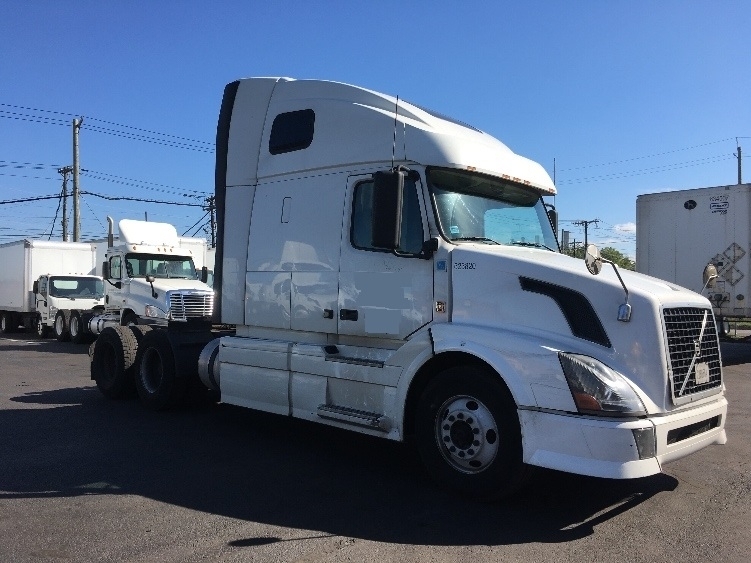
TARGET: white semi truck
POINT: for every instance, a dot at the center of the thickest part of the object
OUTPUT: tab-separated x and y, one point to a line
151	278
48	285
394	272
678	232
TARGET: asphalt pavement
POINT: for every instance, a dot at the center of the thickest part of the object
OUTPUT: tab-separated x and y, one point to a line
83	478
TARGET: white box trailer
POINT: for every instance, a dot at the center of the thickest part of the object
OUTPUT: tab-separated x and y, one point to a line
678	233
60	270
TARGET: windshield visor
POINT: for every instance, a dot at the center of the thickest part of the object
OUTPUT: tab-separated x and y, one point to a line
474	207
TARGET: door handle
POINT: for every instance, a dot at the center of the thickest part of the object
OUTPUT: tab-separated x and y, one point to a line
348	315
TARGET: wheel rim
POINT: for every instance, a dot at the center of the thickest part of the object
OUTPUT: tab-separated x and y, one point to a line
467	434
40	327
59	325
73	327
152	370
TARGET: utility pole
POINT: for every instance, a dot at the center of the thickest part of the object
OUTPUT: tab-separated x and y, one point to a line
76	188
738	156
65	170
585	224
211	208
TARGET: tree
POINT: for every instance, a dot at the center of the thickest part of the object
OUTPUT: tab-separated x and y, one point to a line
620	259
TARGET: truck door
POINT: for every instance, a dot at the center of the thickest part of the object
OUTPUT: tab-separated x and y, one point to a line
383	294
115	296
40	299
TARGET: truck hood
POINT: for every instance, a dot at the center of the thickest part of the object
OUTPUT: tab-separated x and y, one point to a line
555	298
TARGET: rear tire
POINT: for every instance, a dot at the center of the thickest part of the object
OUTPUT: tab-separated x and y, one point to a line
76	328
112	362
157	382
62	326
6	323
468	433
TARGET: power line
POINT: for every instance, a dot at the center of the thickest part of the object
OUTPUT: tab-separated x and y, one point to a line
125	198
110	198
643	171
650	155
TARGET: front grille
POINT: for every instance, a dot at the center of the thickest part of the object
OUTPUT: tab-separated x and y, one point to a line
684	327
184	306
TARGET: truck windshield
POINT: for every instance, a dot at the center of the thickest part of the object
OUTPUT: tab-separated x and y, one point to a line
478	208
71	286
159	266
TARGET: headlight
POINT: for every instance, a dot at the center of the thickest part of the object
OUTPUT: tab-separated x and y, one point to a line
597	389
154	312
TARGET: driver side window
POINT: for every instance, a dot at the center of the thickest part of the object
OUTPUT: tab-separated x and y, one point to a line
115	267
361	234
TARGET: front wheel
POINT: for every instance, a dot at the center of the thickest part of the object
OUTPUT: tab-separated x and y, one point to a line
42	330
468	433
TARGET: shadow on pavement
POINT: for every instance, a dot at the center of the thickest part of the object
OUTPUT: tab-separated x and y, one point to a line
252	466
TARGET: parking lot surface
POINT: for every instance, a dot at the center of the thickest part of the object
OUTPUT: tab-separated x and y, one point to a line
83	478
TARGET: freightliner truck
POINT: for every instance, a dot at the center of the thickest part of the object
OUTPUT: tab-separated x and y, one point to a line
394	272
151	278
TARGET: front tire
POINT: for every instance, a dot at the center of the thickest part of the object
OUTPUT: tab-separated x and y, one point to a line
41	329
157	382
468	433
62	326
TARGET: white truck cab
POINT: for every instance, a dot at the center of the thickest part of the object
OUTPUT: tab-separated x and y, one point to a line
394	272
150	279
61	300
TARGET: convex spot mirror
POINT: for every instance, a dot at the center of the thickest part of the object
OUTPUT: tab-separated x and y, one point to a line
593	260
710	275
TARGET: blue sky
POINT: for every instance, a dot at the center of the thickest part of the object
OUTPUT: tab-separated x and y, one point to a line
625	98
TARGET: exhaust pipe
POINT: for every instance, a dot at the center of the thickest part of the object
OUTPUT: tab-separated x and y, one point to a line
110	232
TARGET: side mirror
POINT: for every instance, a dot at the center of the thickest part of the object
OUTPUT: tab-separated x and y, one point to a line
709	276
552	217
35	288
204	274
105	270
429	247
387	208
593	260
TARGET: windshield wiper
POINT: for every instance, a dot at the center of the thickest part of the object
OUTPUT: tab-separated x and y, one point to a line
476	239
530	244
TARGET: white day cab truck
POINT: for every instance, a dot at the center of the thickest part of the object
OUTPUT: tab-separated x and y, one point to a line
678	232
394	272
48	286
151	279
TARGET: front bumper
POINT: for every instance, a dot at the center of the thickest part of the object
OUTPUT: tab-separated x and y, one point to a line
602	447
